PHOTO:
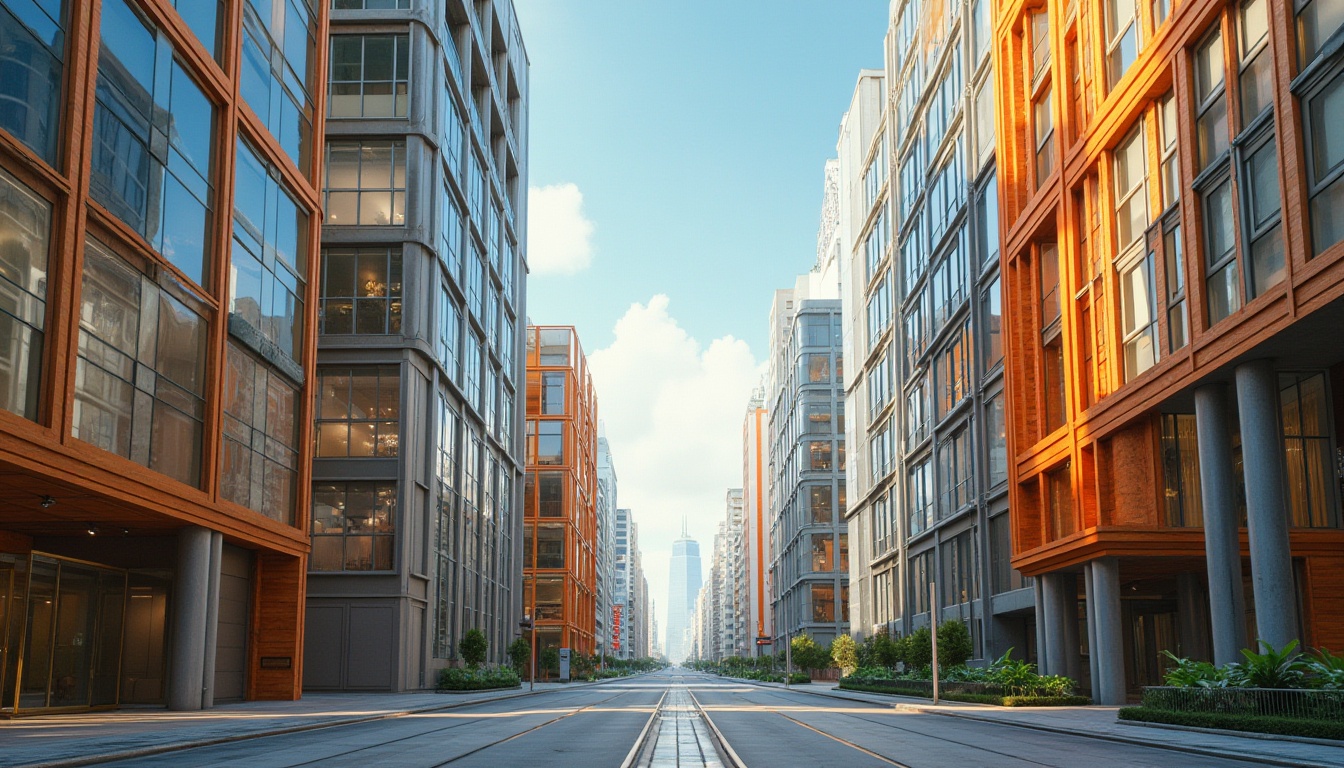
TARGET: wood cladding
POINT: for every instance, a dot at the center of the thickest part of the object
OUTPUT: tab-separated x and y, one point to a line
278	592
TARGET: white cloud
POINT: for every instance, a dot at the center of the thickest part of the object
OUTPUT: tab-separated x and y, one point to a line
559	235
673	413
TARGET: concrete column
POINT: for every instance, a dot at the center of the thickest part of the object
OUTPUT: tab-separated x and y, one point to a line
1192	616
1091	607
1073	659
212	621
1266	509
1053	659
1222	549
192	618
1109	650
1038	584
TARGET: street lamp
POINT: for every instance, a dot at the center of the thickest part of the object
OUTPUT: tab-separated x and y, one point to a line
525	625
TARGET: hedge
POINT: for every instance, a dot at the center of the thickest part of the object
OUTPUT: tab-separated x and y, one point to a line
477	679
1279	726
973	698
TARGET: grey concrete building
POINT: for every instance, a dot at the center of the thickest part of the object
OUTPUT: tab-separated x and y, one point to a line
809	570
417	483
607	593
925	395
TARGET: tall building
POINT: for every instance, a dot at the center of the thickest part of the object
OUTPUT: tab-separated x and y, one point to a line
560	530
158	267
1174	282
684	582
624	596
419	464
754	598
806	472
920	228
607	594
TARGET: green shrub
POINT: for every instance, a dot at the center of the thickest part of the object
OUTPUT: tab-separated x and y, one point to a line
520	656
549	662
1281	726
844	654
1046	701
473	647
918	648
954	644
477	678
810	655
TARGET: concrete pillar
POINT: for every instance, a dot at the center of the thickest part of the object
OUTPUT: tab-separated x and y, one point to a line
1091	607
1192	616
212	621
1073	659
193	617
1053	658
1038	584
1222	549
1109	648
1267	512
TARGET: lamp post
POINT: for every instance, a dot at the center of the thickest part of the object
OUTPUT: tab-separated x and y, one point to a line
527	624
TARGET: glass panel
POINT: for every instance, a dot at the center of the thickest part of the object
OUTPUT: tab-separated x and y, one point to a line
25	230
32	36
39	634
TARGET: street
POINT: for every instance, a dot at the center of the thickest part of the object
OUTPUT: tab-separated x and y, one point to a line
675	719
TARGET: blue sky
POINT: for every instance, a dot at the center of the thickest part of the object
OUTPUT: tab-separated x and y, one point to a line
676	164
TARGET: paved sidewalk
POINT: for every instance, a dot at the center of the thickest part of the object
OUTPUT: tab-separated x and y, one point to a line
65	741
1101	723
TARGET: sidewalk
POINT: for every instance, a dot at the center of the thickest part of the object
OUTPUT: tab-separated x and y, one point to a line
1099	722
65	741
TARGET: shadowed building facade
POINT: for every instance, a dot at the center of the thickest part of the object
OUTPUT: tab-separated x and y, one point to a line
1173	292
158	269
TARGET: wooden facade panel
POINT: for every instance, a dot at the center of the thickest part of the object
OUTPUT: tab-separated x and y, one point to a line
278	593
1325	602
1134	480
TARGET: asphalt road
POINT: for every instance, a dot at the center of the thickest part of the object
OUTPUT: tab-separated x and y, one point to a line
613	725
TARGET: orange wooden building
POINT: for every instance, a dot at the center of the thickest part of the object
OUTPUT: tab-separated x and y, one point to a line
1173	269
158	249
560	526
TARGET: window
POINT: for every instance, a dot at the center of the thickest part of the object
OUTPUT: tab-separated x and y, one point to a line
948	285
357	412
991	318
361	291
554	344
1040	45
279	46
921	574
1317	22
823	602
819	452
553	392
918	412
369	76
140	375
1210	102
987	221
913	256
946	195
821	502
1309	467
919	495
1049	271
550	545
161	189
25	241
956	472
551	489
270	256
916	332
261	437
1222	285
1059	502
958	578
1130	170
1323	115
996	432
1260	198
880	453
354	527
32	35
1180	471
1167	131
818	368
1177	324
1257	68
369	5
1122	39
823	552
1161	10
1043	122
1004	578
819	419
550	442
1052	345
449	333
203	17
366	183
879	386
981	29
984	119
1138	314
879	311
875	246
952	371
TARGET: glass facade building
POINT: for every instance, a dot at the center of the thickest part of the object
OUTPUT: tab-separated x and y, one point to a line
156	355
416	524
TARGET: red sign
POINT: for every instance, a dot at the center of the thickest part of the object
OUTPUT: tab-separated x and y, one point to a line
616	611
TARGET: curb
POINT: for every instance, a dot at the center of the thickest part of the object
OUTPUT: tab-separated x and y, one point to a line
1243	734
159	749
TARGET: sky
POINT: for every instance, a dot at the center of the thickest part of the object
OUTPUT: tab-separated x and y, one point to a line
676	156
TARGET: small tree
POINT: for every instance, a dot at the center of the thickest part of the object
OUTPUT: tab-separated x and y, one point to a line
473	647
845	654
520	656
809	655
886	651
954	644
549	659
919	648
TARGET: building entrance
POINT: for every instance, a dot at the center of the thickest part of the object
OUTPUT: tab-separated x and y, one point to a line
61	626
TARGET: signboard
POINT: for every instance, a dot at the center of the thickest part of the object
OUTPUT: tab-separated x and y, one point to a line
564	665
616	615
763	641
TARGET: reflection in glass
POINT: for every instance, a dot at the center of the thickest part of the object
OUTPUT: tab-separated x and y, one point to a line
32	37
25	232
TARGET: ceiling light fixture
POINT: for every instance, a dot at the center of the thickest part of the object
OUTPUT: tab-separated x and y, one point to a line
92	530
47	501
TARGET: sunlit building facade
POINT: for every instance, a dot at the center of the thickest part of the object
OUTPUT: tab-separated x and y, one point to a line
417	480
560	500
1174	289
158	268
754	604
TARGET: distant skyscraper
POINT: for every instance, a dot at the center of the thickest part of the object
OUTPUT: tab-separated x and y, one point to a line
684	581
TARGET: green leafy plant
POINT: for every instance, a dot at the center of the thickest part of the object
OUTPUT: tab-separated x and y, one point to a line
954	644
845	654
549	661
1274	668
473	647
1326	670
918	648
477	678
1189	673
520	656
810	655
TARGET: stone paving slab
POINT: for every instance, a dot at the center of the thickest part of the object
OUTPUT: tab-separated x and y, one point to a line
65	741
1100	722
